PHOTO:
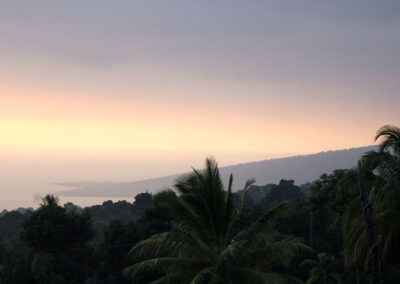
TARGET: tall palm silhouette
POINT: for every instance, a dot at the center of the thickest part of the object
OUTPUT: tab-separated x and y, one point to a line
209	244
378	181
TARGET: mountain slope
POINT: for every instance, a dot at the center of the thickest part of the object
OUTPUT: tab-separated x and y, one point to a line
302	169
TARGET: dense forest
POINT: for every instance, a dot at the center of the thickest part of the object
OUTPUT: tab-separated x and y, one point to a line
340	228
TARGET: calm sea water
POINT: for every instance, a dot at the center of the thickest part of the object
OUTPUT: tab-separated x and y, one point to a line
30	195
26	177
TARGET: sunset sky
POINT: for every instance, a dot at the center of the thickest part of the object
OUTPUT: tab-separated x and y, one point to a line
240	76
125	90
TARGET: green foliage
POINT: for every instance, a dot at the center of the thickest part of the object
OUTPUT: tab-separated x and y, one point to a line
327	204
203	232
324	268
390	138
156	220
103	214
16	267
257	193
143	201
51	228
326	195
296	222
58	242
122	210
112	252
206	246
381	175
10	224
277	193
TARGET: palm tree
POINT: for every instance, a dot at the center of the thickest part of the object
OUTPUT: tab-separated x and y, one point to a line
209	244
323	269
390	136
370	228
49	200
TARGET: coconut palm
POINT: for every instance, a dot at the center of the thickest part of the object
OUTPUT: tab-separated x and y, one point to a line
369	229
390	136
209	244
323	268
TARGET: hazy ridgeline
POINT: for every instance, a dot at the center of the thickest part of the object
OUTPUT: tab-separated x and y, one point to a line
25	178
108	110
340	228
302	169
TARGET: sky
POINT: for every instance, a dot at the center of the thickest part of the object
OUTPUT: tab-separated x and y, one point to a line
163	84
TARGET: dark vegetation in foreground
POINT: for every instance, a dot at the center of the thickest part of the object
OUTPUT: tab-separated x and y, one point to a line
341	228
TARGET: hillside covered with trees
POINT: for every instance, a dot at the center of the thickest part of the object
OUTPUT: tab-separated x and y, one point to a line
341	228
302	169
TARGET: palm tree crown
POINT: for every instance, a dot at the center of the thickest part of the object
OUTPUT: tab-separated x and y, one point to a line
209	244
380	172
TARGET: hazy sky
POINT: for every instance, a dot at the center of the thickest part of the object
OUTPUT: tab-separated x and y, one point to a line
276	76
241	79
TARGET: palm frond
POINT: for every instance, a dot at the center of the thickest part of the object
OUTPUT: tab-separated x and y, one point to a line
160	264
248	275
264	221
390	138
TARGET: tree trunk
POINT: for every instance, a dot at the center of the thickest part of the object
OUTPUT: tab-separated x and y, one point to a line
358	275
311	230
325	278
368	211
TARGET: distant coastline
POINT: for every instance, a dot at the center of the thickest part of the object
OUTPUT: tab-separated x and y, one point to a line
301	168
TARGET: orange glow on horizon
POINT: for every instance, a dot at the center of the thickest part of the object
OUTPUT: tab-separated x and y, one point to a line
62	121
